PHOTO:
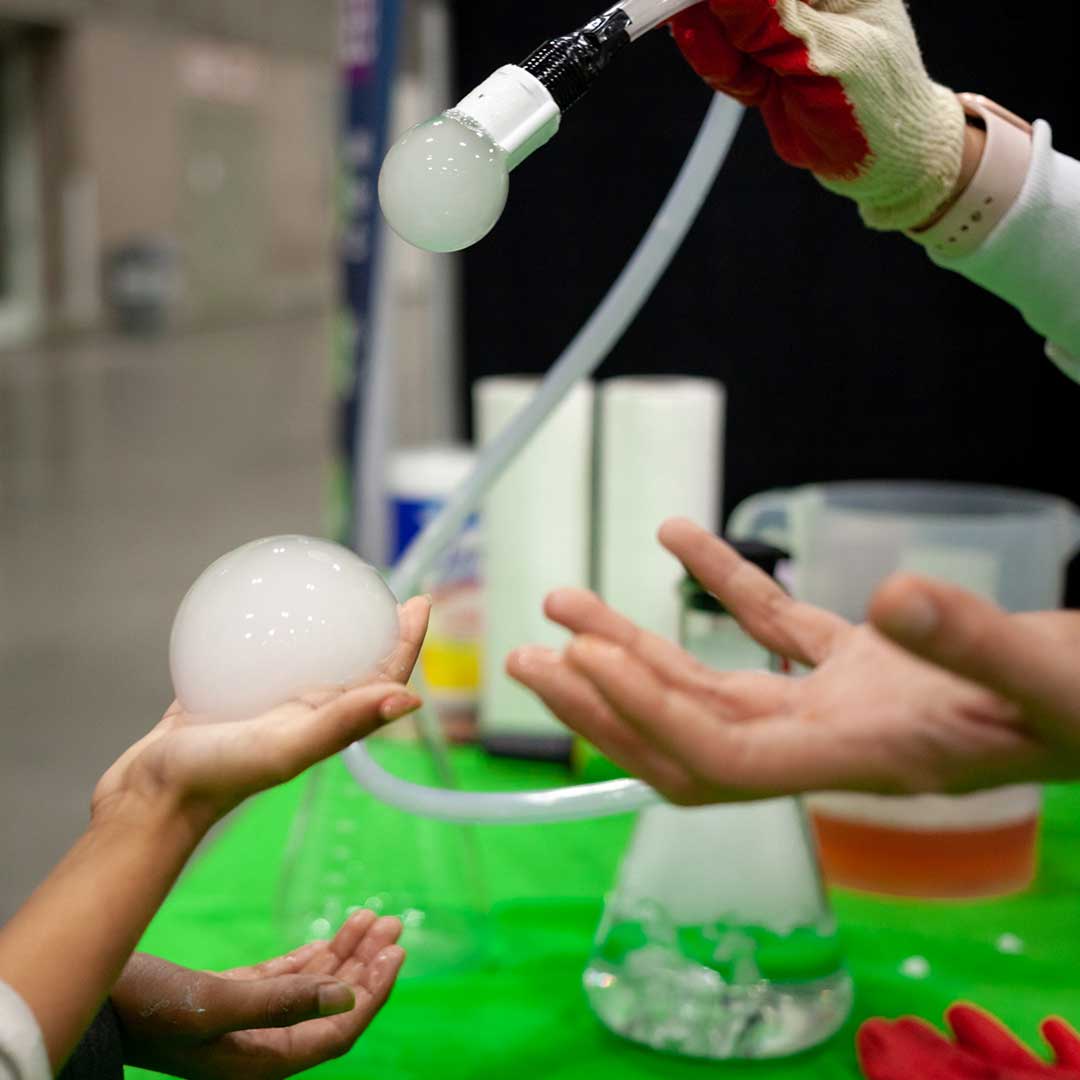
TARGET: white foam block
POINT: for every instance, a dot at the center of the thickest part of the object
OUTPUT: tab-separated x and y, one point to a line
536	529
660	456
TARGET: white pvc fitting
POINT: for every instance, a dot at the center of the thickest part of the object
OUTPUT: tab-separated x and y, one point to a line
515	109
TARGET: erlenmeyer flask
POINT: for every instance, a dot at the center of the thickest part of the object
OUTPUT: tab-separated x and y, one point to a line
718	941
348	851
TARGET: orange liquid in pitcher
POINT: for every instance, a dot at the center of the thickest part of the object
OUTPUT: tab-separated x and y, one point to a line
933	863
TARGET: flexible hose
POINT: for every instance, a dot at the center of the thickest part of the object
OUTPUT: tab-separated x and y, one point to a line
645	15
581	358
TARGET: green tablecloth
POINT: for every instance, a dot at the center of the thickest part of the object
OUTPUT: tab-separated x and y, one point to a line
522	1011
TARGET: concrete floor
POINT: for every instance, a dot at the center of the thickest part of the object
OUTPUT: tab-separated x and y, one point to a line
126	467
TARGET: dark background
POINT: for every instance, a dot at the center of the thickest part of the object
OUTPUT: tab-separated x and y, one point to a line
846	353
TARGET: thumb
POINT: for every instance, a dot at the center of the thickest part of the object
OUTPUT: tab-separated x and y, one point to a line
988	1038
309	737
281	1001
975	639
906	1048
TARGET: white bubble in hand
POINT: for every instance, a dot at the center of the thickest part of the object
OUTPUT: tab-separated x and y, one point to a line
275	618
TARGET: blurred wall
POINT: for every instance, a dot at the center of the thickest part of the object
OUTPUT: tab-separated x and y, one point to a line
295	26
207	128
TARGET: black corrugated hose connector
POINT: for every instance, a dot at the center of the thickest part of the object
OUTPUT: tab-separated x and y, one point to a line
567	65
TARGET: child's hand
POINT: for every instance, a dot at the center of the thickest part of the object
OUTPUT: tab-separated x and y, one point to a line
201	771
149	812
267	1021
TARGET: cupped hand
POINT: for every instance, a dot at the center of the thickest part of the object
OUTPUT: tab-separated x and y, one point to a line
204	769
267	1021
964	698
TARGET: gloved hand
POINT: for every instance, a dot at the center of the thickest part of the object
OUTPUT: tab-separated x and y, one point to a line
983	1050
843	90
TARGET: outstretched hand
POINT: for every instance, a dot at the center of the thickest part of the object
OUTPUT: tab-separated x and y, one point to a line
942	691
267	1021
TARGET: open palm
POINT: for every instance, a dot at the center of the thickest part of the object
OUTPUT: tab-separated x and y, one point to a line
261	1021
213	767
871	715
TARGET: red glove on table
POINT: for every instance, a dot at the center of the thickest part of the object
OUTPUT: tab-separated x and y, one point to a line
843	90
911	1049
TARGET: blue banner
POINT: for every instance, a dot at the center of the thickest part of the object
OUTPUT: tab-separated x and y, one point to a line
369	37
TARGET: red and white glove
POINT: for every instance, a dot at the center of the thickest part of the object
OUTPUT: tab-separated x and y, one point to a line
843	90
911	1049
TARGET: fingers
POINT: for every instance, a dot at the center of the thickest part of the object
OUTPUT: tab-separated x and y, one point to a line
701	37
334	953
371	971
290	963
729	755
575	701
382	973
354	930
312	1044
751	693
801	632
378	980
414	617
583	612
302	741
1064	1041
681	730
347	979
384	933
372	986
907	1048
274	1002
973	638
984	1036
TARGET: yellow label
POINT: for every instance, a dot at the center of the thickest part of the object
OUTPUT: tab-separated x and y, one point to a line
451	665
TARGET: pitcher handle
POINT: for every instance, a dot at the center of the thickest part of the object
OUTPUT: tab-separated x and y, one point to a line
765	517
1072	544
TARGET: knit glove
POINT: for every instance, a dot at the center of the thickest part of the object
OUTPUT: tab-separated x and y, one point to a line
983	1050
843	90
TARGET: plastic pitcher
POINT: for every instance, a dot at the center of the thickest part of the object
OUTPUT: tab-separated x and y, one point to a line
1010	546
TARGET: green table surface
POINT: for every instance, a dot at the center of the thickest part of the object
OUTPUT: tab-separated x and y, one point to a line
520	1011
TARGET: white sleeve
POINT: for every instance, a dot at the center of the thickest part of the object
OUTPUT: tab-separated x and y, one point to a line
1032	259
22	1051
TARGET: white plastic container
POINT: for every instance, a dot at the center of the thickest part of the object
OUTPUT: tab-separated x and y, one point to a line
419	481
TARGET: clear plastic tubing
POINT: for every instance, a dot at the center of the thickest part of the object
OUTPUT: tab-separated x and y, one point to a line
581	358
645	15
